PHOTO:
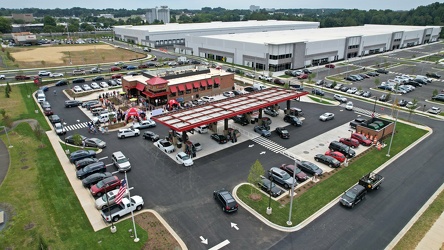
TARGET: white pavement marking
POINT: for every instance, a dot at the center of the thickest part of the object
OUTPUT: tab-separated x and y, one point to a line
220	245
203	240
76	126
363	111
269	144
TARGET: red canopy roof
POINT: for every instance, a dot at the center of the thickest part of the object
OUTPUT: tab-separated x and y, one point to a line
196	85
181	87
173	89
152	95
189	86
217	80
203	83
210	81
156	81
140	86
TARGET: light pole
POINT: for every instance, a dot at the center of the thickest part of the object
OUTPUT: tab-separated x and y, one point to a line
393	133
292	194
269	209
132	213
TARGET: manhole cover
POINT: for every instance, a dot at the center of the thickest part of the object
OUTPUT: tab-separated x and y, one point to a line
24	167
321	144
306	152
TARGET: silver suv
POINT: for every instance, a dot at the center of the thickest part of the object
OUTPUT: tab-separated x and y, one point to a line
121	162
281	177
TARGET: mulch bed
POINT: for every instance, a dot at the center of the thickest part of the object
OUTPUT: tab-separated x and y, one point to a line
158	235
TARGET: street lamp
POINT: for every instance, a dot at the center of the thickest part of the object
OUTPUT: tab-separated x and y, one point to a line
292	194
393	133
269	209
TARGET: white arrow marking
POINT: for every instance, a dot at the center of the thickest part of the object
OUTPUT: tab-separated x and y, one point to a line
250	146
203	240
234	225
263	152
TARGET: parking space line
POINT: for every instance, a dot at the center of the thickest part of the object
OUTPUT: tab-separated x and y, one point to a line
220	245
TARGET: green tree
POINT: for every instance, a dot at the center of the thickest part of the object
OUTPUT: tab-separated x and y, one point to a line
50	21
256	171
412	107
435	92
5	25
377	81
77	138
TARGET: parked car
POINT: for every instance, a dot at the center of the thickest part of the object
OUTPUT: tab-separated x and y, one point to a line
271	112
59	129
372	73
97	167
148	135
105	185
269	187
332	66
281	177
279	81
45	104
362	139
94	178
297	172
225	199
318	92
184	159
144	124
54	119
353	196
127	205
221	139
103	85
327	116
94	142
383	98
293	120
61	82
262	130
282	132
85	162
72	103
353	143
349	106
367	94
108	199
434	110
433	75
228	94
97	78
165	146
327	160
86	87
335	154
342	148
116	76
438	97
382	71
48	111
242	120
127	132
94	85
309	167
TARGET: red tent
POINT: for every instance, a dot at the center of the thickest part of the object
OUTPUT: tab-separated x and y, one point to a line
132	112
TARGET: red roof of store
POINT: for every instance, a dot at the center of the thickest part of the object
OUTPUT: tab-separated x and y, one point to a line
189	86
152	95
196	85
217	80
181	87
156	81
140	86
203	83
210	81
173	89
190	118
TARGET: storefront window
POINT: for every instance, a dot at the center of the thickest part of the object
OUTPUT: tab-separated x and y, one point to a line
195	90
180	93
202	88
173	94
216	85
209	87
188	91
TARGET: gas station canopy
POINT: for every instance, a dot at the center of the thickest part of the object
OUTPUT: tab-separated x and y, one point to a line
187	119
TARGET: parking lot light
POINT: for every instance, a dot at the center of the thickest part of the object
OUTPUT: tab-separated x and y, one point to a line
269	209
292	194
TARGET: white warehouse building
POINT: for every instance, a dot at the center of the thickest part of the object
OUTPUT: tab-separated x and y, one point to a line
290	49
175	34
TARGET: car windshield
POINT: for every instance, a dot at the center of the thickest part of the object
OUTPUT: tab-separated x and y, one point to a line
285	176
100	184
284	131
351	194
166	143
185	157
122	160
311	165
96	140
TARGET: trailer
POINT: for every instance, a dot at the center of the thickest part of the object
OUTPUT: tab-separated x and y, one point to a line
371	181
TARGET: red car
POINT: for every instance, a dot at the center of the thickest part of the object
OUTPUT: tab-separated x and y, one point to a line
353	143
48	111
362	139
105	185
302	76
299	175
337	155
115	68
142	66
22	77
218	67
116	76
331	66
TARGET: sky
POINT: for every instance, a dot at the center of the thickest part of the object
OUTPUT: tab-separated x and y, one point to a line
227	4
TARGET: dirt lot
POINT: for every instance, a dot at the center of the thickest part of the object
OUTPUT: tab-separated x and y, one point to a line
158	235
62	55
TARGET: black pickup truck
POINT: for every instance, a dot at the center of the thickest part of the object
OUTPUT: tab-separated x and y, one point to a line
371	181
357	121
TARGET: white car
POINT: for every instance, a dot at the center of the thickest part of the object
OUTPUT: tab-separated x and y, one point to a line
94	85
56	75
340	98
144	124
77	89
119	81
2	77
228	94
165	146
86	87
44	73
266	78
59	129
104	85
184	159
434	110
352	90
207	99
110	196
197	146
201	129
248	74
127	132
327	116
349	106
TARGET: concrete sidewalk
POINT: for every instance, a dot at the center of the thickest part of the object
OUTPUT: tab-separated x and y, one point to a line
434	239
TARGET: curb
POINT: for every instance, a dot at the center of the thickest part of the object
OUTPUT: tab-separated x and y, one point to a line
334	201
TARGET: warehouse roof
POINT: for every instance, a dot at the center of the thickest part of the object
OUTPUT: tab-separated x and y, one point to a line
212	25
312	35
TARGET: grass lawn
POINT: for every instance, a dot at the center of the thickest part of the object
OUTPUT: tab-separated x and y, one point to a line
412	238
432	58
321	194
44	207
318	99
284	76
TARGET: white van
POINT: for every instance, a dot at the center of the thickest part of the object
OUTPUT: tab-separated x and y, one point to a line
102	118
41	97
258	86
202	129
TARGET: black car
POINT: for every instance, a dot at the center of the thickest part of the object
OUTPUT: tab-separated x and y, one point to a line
433	75
97	167
383	98
282	132
94	178
350	78
439	97
85	162
70	139
269	187
318	92
307	71
89	103
226	200
413	83
367	94
237	92
81	154
327	160
148	135
420	81
271	112
98	78
54	119
372	73
402	103
72	103
357	121
249	89
353	196
293	120
78	80
230	70
61	82
241	120
344	88
342	148
309	167
382	71
221	139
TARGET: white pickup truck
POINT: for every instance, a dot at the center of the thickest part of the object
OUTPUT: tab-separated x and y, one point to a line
115	212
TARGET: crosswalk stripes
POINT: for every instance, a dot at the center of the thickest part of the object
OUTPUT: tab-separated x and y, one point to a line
269	144
362	111
76	126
